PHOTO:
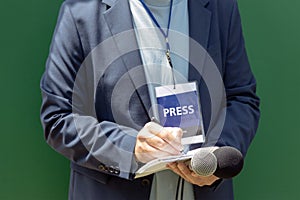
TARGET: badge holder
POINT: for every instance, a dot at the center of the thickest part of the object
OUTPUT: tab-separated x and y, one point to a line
178	105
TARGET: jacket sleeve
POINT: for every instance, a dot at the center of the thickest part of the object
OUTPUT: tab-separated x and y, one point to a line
71	128
242	113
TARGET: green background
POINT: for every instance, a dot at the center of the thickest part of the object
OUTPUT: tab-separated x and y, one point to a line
30	169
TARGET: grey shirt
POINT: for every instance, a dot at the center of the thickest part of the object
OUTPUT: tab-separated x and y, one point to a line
157	70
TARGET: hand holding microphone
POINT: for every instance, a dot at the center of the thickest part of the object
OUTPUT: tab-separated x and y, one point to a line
209	164
223	162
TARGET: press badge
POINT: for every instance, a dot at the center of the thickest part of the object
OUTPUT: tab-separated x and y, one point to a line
179	106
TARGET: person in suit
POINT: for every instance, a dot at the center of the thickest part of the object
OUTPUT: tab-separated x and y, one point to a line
97	95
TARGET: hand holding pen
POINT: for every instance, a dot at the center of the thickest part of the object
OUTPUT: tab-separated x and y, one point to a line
154	141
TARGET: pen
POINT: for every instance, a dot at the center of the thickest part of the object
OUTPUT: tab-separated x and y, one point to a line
153	119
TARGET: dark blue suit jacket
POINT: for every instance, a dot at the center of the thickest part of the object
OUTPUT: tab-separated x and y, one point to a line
95	98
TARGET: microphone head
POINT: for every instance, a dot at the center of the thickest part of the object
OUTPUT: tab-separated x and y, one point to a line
204	162
230	162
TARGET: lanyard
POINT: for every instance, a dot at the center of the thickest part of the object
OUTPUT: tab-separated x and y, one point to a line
165	34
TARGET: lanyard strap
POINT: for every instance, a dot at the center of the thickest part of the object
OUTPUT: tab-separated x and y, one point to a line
165	34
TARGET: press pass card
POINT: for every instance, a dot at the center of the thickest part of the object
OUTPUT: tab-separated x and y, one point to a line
179	106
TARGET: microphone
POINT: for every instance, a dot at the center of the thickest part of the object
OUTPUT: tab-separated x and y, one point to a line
223	162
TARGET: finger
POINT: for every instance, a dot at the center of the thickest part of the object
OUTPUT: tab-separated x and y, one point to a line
185	171
157	143
149	130
209	179
153	128
198	180
162	145
145	152
175	169
204	180
182	170
171	136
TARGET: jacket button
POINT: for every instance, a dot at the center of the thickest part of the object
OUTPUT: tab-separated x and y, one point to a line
111	170
117	170
101	167
145	182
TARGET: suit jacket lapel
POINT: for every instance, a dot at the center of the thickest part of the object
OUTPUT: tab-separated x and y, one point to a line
119	20
199	30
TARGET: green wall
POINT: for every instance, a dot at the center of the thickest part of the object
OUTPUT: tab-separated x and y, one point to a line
29	169
272	31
